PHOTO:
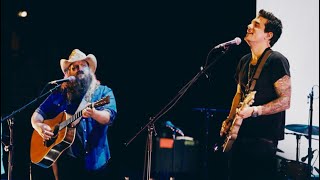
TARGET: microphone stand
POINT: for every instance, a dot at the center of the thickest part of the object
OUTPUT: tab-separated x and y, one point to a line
171	104
209	114
309	134
173	153
10	119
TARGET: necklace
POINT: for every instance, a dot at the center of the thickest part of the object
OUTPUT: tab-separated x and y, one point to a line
251	70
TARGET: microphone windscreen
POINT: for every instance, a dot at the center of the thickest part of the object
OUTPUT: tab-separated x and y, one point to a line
168	123
237	40
72	78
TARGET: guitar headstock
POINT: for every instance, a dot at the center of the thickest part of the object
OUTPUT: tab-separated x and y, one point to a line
101	102
249	99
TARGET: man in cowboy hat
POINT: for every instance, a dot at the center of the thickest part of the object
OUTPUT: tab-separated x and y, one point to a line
89	152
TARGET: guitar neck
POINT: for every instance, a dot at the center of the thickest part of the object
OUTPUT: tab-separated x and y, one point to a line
70	120
76	116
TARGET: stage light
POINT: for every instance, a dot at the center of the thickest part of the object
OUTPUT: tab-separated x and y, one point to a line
23	14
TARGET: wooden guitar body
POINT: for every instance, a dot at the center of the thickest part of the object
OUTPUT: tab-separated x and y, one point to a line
45	153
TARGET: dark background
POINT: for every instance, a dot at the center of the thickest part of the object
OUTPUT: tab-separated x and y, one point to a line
146	52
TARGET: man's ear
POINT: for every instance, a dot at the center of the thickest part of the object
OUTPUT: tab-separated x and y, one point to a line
269	35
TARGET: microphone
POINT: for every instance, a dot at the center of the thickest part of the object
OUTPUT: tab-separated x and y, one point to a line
70	78
174	128
226	45
305	158
179	131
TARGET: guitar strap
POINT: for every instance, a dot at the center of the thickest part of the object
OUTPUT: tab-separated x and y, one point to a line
81	106
259	69
84	101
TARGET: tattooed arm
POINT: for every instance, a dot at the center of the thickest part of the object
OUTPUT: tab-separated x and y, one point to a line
283	90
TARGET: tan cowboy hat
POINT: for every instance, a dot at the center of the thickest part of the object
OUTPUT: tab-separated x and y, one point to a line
77	55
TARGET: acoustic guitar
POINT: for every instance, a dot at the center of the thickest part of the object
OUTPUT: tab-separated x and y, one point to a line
45	152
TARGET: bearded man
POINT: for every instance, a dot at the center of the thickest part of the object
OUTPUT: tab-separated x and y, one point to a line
88	153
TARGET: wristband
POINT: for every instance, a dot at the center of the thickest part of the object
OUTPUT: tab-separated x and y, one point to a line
255	112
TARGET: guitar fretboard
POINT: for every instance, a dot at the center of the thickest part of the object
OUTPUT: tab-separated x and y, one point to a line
78	114
72	118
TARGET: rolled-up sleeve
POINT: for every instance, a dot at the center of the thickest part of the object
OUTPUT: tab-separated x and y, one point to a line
111	107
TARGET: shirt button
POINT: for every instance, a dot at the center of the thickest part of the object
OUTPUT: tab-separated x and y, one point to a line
85	140
86	152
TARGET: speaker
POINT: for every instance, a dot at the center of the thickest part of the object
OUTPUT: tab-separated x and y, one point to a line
176	156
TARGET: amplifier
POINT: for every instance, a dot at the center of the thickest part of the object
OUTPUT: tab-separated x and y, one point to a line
176	156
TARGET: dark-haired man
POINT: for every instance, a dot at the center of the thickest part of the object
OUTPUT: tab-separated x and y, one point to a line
256	139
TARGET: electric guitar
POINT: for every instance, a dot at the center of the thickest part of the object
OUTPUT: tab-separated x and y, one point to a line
45	152
235	124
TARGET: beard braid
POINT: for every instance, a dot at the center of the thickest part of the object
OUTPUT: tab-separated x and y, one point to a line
77	89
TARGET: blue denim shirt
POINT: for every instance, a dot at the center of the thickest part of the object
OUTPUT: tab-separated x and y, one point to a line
91	141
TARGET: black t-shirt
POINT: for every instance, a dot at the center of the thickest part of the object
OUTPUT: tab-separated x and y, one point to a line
268	126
